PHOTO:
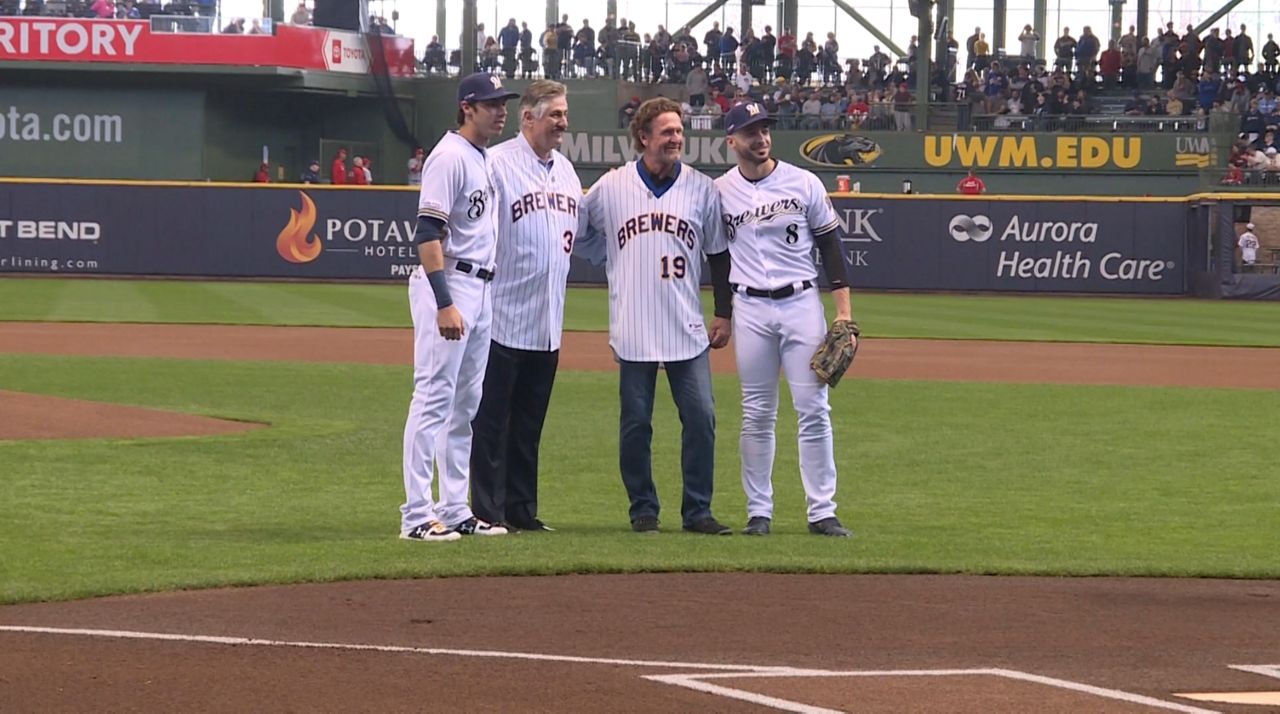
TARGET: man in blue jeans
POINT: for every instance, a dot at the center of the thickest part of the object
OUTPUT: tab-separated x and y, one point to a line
653	219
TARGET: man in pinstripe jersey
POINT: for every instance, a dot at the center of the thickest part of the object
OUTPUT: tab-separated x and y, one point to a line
538	194
652	221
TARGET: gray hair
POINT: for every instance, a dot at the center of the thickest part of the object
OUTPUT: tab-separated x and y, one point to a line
538	94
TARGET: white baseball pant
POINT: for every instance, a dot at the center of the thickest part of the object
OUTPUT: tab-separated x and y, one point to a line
770	334
448	376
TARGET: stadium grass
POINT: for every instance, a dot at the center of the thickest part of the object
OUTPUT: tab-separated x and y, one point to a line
935	477
987	317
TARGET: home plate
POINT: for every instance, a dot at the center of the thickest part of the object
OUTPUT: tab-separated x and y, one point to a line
1263	698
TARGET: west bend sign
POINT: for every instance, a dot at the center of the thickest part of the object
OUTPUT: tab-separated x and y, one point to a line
77	40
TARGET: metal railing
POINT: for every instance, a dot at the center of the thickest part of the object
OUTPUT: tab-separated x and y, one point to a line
1089	123
1242	180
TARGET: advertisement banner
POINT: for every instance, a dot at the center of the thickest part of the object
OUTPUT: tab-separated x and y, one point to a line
133	42
191	230
323	233
110	132
1020	246
851	152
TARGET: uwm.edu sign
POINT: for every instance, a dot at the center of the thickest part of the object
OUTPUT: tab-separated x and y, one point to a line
132	41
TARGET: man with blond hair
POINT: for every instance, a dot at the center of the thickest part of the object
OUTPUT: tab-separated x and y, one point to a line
538	199
653	219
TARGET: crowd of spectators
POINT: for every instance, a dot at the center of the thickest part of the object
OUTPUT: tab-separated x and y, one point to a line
814	86
793	106
619	51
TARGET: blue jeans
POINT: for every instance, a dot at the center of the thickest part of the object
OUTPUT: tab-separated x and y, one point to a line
690	382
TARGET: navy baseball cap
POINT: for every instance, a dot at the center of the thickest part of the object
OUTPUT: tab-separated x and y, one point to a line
744	115
482	87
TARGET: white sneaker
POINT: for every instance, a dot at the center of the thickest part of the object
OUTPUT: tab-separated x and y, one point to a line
430	532
475	526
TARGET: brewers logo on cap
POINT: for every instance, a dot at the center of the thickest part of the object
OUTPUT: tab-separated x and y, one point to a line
744	115
482	87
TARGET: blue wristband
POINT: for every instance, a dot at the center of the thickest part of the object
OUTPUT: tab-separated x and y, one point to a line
440	287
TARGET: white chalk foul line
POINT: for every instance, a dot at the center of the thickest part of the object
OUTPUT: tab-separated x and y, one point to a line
493	654
698	682
1266	670
690	681
1103	692
694	682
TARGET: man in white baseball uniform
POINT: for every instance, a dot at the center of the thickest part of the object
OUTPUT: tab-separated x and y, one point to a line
653	219
538	198
775	214
1248	243
449	298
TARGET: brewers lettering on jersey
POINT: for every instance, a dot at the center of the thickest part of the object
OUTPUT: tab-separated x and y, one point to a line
449	300
539	200
653	219
653	259
775	215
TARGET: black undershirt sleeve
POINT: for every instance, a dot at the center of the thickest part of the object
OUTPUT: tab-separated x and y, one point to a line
832	259
720	288
429	229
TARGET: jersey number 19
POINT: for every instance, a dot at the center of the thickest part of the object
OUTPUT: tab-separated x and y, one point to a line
673	267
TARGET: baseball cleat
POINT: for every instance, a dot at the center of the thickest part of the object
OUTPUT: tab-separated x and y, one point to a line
757	526
430	532
830	527
708	526
475	526
645	524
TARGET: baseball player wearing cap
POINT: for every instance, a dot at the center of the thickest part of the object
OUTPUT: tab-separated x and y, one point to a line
449	299
538	198
652	220
1248	243
775	214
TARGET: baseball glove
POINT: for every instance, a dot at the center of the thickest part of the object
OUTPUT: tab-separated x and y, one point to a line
836	352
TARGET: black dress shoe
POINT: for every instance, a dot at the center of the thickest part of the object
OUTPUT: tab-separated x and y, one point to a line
645	524
708	526
534	525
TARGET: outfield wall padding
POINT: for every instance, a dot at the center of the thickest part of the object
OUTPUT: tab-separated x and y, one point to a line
248	231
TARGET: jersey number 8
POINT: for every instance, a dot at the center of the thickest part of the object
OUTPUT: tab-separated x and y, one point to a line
673	267
793	234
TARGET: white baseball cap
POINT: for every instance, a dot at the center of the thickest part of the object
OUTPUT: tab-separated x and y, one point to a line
1249	227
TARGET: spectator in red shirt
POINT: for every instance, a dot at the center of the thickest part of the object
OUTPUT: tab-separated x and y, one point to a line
338	172
358	176
263	175
858	111
1109	64
786	53
971	185
719	98
787	44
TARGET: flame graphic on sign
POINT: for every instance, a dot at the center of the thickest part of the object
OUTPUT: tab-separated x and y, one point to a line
293	243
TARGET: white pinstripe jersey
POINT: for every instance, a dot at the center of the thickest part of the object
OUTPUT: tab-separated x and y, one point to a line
654	248
457	188
770	225
538	221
